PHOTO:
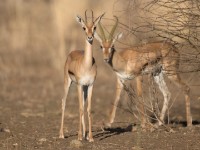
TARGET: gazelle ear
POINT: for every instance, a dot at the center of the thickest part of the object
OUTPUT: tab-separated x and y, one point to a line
98	19
97	37
117	37
80	20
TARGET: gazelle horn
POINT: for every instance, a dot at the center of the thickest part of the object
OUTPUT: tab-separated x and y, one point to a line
92	16
86	16
113	29
103	36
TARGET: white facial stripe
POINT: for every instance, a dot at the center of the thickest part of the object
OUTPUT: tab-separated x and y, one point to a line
94	29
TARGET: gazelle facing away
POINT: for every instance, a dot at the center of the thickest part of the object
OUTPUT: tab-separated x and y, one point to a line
80	68
155	59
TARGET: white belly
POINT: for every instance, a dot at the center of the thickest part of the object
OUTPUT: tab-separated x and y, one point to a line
86	80
125	76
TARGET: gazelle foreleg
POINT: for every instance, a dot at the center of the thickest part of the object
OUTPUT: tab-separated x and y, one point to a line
67	83
119	88
81	133
90	88
84	99
159	79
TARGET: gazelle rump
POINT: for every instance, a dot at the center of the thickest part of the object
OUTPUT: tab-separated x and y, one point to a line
155	59
80	68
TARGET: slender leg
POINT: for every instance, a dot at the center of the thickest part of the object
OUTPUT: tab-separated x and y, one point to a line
170	68
167	95
81	111
90	88
177	80
85	95
141	102
67	83
119	88
83	116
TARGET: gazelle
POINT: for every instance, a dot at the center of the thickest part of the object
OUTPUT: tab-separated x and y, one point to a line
80	68
154	58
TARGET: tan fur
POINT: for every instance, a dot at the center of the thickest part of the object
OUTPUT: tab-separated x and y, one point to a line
151	58
80	68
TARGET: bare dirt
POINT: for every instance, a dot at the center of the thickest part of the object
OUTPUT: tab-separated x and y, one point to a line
30	112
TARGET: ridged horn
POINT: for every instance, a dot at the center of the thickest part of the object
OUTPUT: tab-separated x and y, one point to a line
92	16
113	29
102	34
86	16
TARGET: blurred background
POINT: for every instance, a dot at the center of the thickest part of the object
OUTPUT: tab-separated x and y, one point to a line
41	32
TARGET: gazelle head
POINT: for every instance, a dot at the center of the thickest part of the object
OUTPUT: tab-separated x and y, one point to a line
89	27
107	43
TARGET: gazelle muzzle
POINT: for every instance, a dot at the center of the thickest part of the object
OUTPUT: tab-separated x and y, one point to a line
90	40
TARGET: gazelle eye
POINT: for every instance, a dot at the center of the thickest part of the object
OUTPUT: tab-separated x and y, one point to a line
84	28
101	47
94	28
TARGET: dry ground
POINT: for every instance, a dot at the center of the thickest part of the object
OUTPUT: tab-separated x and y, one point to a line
30	111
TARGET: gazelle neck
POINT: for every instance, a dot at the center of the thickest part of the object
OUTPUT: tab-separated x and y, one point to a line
88	55
116	61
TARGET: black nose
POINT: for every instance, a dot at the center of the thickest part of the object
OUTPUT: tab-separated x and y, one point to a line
106	60
90	38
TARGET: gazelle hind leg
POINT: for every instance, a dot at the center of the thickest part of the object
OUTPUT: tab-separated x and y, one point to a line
159	79
141	101
177	80
67	84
